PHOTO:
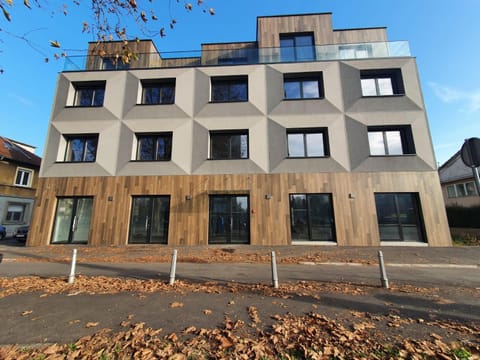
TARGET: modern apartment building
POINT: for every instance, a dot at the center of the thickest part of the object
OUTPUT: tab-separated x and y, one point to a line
307	135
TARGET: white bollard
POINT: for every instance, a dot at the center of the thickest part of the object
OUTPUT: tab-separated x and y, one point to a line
173	267
274	271
383	273
71	277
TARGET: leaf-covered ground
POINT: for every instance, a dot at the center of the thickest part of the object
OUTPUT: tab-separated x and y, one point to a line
262	334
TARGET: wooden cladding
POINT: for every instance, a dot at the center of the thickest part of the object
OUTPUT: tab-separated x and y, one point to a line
352	195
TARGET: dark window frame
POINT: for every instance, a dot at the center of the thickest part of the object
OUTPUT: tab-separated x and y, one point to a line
168	138
240	132
296	49
406	136
301	78
161	85
309	223
401	222
228	82
232	215
95	99
83	137
395	76
305	132
150	211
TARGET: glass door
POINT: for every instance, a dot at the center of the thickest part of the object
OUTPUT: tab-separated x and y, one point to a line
229	221
72	220
149	220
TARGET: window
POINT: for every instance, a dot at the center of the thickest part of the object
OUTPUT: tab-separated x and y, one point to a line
227	145
23	177
311	217
398	216
81	148
229	89
158	91
390	141
232	60
89	94
385	82
114	64
154	147
72	220
461	190
149	220
297	47
303	86
229	221
307	143
359	51
15	213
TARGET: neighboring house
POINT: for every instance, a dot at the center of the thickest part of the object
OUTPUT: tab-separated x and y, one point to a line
458	184
19	168
307	135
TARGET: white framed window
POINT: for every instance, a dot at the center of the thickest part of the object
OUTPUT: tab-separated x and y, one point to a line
24	177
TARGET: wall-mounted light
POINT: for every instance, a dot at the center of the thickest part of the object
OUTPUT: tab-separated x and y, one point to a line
188	197
268	196
351	196
110	198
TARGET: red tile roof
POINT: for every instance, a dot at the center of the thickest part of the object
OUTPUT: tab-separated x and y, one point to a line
12	150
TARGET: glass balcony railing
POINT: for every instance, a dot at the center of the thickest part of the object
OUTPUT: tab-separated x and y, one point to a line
222	57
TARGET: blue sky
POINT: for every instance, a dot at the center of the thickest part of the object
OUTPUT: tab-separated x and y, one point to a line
444	36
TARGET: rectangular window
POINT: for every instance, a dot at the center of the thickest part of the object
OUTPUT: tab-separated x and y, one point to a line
149	220
89	94
461	190
297	47
227	145
156	92
383	82
311	217
81	148
360	51
229	89
307	143
24	177
15	213
114	63
72	220
398	216
303	86
154	147
229	221
390	140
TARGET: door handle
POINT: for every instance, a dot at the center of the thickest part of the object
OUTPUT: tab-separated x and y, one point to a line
74	225
146	222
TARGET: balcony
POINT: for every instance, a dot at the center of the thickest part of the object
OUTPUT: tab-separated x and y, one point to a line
242	55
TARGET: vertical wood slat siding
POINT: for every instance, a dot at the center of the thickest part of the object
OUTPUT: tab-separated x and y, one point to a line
355	217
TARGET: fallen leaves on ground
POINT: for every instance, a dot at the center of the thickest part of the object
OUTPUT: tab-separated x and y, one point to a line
311	336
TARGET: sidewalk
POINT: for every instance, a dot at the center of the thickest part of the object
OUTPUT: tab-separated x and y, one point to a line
295	254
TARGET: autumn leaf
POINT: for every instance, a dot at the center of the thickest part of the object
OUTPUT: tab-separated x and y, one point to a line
207	311
91	324
176	304
54	43
27	312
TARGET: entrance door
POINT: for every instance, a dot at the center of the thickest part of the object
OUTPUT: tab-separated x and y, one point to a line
149	220
72	220
229	219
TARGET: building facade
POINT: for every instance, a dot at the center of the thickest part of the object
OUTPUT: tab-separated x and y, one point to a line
19	168
458	183
307	135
